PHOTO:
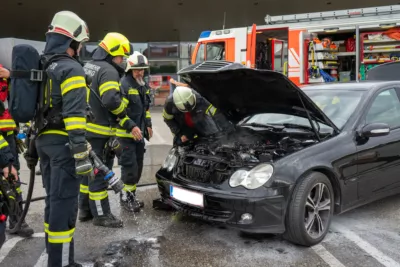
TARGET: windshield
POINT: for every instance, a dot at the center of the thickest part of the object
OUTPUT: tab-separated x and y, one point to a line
211	51
337	105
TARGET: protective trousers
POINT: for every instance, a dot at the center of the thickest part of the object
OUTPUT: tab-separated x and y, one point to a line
131	162
10	138
93	192
2	233
62	189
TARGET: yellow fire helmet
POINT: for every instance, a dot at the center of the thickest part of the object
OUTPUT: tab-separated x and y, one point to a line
116	44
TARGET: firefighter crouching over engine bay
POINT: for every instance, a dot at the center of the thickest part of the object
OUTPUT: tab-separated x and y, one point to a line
189	115
137	99
103	74
6	160
8	129
61	143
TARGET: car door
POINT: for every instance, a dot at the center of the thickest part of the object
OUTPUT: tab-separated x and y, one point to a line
378	158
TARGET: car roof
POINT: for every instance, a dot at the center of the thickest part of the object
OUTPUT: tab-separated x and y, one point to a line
359	86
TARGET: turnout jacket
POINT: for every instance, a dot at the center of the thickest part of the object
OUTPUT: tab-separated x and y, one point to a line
6	157
207	120
105	97
137	100
67	87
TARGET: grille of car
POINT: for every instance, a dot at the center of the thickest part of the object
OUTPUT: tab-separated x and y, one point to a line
202	175
206	214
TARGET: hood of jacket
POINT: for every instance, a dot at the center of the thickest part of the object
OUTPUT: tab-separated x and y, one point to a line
101	55
56	44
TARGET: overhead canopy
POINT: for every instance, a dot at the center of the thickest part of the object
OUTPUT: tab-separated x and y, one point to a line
157	20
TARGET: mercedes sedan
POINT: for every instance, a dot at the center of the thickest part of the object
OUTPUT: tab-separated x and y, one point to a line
296	156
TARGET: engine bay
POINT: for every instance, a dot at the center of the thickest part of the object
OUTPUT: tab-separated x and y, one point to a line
215	159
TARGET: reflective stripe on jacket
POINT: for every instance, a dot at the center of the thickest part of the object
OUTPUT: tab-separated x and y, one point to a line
137	100
206	118
109	109
67	86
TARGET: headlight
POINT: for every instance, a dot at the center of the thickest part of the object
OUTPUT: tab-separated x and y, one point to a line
170	161
252	179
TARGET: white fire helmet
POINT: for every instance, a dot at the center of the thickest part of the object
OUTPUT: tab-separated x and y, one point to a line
71	25
184	98
136	61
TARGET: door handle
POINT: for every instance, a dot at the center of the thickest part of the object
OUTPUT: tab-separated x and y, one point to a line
369	155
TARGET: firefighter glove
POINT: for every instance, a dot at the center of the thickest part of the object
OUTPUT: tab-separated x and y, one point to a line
21	146
83	164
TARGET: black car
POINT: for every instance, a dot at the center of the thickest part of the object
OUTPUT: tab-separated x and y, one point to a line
296	156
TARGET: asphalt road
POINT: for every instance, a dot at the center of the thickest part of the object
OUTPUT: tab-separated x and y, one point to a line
365	237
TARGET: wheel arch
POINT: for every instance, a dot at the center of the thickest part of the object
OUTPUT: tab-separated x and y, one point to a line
337	192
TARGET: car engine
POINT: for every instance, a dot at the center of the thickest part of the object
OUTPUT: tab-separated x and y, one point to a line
213	160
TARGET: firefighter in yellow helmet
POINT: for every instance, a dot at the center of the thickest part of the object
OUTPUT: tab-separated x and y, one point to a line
103	74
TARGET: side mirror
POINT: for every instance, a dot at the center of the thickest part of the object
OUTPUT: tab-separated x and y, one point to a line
375	129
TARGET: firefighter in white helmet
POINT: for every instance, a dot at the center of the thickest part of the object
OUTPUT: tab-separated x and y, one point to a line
62	164
136	96
189	115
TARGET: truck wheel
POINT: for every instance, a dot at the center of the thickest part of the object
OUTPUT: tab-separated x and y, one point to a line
310	210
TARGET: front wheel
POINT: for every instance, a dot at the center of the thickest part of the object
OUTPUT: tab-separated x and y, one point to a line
310	210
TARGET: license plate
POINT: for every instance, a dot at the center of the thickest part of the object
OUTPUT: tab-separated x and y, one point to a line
187	196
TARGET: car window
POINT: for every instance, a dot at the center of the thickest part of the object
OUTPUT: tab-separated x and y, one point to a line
200	54
338	105
385	108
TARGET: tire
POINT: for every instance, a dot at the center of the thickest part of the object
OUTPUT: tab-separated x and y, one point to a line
299	210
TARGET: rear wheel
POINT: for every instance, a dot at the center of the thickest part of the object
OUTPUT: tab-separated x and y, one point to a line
310	210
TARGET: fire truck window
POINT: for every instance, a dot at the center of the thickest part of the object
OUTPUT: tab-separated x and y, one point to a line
215	51
278	62
200	54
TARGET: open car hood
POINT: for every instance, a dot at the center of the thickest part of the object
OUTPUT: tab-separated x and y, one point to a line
385	72
239	91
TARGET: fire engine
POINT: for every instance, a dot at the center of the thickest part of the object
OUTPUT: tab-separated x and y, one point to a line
327	46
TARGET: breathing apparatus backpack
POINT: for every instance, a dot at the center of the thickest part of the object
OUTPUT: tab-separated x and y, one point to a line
28	83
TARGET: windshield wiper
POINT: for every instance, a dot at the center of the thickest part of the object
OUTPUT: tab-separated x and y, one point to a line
292	125
262	125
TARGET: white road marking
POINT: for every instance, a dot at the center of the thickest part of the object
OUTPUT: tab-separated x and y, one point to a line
8	246
39	234
327	256
42	261
367	247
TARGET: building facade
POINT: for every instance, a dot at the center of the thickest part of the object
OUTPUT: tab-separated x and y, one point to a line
165	59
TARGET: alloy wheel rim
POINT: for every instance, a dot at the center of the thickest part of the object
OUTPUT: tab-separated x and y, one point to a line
317	210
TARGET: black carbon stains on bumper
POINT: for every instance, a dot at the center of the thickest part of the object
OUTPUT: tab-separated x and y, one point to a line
268	212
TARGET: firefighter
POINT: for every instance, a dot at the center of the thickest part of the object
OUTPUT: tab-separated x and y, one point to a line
136	94
6	158
189	115
103	74
8	129
61	143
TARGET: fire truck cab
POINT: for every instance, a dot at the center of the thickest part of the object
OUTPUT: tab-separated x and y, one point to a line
344	41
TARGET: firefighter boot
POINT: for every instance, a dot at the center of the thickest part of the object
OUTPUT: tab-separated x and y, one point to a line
74	265
85	215
25	230
108	220
128	202
138	201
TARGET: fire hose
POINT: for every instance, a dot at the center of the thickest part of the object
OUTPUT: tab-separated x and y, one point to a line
108	189
32	159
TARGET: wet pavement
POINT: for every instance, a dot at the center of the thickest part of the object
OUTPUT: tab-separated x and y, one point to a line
365	237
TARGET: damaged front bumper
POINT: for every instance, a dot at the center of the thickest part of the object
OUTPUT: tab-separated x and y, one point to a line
255	211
